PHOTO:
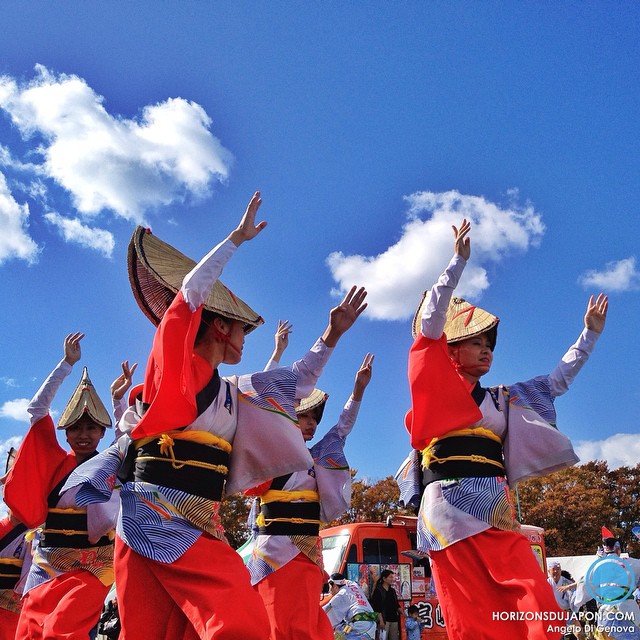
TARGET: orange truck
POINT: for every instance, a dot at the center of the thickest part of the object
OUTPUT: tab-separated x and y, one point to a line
361	550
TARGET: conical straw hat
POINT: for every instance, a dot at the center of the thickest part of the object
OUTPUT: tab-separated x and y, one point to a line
156	271
313	403
464	320
85	400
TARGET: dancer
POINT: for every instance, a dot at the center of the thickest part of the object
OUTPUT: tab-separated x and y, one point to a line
349	610
612	581
72	564
193	436
286	563
13	551
471	440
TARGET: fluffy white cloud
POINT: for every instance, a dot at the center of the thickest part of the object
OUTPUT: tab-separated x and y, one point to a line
620	275
621	449
9	382
14	239
72	230
109	162
15	409
396	278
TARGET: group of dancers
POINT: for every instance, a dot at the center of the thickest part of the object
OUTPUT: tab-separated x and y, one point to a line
145	511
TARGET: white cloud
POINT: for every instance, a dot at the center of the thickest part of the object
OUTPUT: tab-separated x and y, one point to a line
14	239
72	230
110	162
15	409
396	278
620	275
621	449
9	382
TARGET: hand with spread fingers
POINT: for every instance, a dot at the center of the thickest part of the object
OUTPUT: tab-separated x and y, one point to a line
596	314
247	229
342	317
281	339
462	244
72	351
123	382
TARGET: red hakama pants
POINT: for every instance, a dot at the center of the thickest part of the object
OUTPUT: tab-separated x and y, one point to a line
488	581
291	596
8	624
205	594
64	608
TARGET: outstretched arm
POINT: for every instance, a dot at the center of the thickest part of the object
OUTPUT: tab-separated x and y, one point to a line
198	283
434	312
349	414
342	317
41	401
363	377
594	320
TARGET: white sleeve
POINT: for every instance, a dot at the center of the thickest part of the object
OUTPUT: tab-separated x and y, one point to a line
40	403
309	368
434	314
119	407
197	284
348	417
567	369
271	365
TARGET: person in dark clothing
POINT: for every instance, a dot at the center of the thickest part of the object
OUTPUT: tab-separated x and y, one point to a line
384	601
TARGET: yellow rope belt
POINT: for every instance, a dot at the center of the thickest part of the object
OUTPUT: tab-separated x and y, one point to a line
167	440
11	561
428	456
276	495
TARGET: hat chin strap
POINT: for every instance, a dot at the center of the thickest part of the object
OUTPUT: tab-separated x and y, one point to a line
225	338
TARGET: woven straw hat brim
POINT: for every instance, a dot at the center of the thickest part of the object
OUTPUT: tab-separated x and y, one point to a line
317	399
464	320
156	272
84	401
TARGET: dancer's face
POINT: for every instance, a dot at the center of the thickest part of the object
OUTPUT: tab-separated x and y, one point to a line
83	437
308	425
473	355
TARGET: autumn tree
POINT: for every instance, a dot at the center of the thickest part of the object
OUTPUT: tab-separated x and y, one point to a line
573	504
372	502
234	512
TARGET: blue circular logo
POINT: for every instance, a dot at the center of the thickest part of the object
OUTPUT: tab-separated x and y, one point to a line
610	580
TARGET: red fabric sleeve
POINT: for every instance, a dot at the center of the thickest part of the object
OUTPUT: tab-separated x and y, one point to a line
39	466
439	400
174	373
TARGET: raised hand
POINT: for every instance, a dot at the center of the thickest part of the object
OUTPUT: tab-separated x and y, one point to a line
247	229
342	317
72	351
363	377
123	382
462	244
596	314
281	338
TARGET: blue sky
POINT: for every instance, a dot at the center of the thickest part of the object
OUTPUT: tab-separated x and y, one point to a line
369	128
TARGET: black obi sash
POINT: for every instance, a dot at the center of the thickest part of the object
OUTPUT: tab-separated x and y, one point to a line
196	478
68	529
476	449
287	513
